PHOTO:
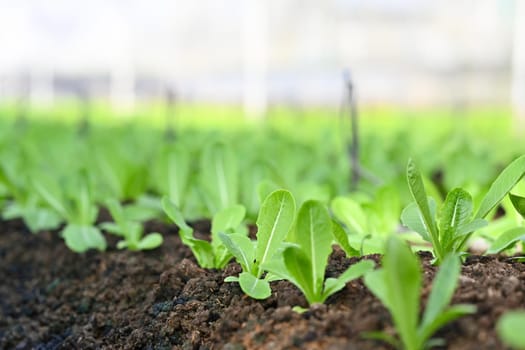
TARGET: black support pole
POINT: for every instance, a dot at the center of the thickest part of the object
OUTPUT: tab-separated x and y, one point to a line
353	145
84	110
171	100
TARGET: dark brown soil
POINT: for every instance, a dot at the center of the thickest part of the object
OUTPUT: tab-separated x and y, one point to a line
51	298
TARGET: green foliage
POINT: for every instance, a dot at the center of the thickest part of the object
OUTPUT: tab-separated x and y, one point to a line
456	223
507	239
519	203
80	238
131	231
219	179
203	171
25	204
510	329
376	214
274	222
124	174
364	216
350	213
453	224
172	174
503	184
305	264
398	286
208	254
417	189
73	202
384	209
341	238
256	183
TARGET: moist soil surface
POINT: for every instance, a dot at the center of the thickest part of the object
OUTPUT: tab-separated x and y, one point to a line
52	298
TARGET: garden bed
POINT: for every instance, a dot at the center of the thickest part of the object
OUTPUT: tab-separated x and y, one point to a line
52	298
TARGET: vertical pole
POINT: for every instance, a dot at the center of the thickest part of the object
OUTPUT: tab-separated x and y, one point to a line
171	99
518	66
84	109
255	28
354	145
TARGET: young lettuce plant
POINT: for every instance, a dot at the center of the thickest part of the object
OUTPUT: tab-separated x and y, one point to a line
507	240
131	231
455	222
510	329
76	206
219	177
304	265
513	236
351	215
274	222
172	173
212	254
24	203
363	214
122	170
398	286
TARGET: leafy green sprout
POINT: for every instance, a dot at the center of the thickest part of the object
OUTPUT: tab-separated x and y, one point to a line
274	222
76	207
510	329
511	237
449	229
304	264
507	240
219	177
213	254
130	230
25	203
398	285
172	173
351	214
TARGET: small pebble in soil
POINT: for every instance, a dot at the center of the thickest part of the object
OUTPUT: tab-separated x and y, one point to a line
163	306
84	306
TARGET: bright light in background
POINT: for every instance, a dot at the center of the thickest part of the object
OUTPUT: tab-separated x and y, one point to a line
403	52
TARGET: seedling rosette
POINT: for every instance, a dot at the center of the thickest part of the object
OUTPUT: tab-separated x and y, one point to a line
449	228
274	222
305	263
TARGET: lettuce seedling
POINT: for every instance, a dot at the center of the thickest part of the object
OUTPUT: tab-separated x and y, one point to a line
352	216
304	265
510	329
212	254
507	240
455	221
172	173
518	202
122	173
130	230
398	286
341	238
25	204
502	186
76	207
219	177
274	222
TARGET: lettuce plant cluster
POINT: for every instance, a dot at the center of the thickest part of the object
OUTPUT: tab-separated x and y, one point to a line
293	194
